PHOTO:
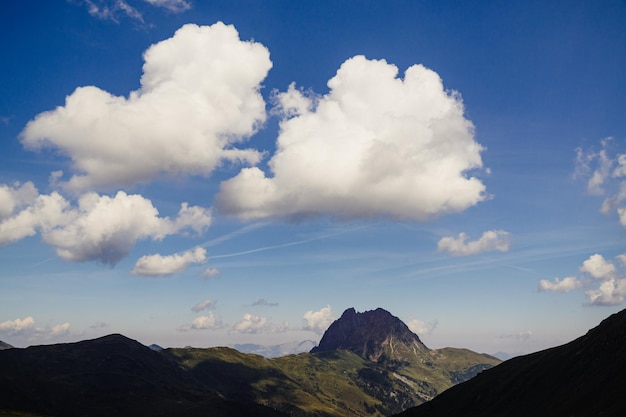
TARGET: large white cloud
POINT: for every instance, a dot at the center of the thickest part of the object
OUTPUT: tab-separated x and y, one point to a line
253	324
158	265
318	321
99	228
199	97
489	241
374	146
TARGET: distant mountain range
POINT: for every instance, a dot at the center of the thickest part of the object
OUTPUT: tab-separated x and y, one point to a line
581	378
379	368
275	351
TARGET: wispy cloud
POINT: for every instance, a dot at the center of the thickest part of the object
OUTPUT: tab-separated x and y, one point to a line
264	302
208	304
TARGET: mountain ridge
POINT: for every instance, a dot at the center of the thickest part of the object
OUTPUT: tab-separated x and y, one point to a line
117	376
580	378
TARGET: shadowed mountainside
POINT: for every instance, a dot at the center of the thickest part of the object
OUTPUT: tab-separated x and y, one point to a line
109	376
581	378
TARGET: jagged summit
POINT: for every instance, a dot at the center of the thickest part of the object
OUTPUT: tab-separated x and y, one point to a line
376	335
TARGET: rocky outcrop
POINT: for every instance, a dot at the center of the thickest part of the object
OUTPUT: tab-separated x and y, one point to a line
374	335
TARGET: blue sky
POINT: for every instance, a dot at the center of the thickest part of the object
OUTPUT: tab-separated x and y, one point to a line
212	173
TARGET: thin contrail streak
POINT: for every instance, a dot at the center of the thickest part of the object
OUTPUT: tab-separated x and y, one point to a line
284	245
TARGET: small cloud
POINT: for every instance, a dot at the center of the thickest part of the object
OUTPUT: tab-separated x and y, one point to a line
598	267
210	273
207	304
318	321
420	327
26	328
610	292
99	325
492	240
157	265
206	322
558	285
17	326
264	302
252	324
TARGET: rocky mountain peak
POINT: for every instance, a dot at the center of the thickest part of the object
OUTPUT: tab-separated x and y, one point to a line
376	335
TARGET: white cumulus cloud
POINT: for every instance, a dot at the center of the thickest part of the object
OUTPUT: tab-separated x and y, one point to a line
26	328
421	327
318	321
106	228
210	273
560	285
252	324
17	326
375	146
610	282
158	265
598	267
206	322
43	214
100	228
489	241
199	97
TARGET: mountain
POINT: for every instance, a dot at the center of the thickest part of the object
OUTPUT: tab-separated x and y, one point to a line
389	371
581	378
156	347
275	351
4	345
375	335
109	376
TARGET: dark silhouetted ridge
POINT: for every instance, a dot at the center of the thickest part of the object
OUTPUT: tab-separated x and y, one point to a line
581	378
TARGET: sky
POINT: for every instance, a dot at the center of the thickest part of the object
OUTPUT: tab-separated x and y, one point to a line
213	173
